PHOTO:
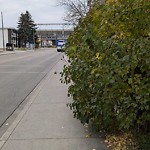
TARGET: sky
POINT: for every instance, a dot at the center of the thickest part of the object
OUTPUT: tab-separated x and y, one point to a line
42	11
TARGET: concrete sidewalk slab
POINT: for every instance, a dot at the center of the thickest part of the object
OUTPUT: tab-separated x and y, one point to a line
48	124
54	144
55	97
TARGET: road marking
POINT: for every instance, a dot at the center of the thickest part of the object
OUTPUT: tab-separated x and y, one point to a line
21	66
14	59
31	97
11	72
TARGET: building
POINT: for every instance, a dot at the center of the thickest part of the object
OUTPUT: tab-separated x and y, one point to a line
10	36
49	37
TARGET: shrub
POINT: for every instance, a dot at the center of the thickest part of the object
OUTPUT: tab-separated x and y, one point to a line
109	69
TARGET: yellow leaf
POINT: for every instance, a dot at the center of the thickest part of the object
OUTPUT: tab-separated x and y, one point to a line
88	136
97	55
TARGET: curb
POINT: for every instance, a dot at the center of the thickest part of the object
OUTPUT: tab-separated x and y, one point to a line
30	99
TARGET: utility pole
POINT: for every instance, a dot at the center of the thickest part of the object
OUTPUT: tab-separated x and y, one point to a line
33	39
3	31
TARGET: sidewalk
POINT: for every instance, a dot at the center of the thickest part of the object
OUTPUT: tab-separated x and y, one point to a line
46	123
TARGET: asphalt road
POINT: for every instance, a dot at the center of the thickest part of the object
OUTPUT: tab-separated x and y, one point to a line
20	73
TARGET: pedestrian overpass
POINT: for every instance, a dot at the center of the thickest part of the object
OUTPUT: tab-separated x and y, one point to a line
49	33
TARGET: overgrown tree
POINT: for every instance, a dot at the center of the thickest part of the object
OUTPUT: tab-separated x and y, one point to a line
109	71
109	66
26	29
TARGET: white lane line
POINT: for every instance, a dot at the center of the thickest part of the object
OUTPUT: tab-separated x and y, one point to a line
20	72
21	66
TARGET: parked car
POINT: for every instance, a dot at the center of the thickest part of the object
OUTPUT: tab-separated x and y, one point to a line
9	47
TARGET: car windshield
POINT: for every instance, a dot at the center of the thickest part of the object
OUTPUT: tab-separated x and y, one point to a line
60	43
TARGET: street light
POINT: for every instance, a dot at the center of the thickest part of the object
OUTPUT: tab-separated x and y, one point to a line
3	31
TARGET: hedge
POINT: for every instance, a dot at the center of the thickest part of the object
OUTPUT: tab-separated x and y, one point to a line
109	69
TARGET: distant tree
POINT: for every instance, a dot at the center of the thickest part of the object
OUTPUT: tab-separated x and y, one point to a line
26	29
77	9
